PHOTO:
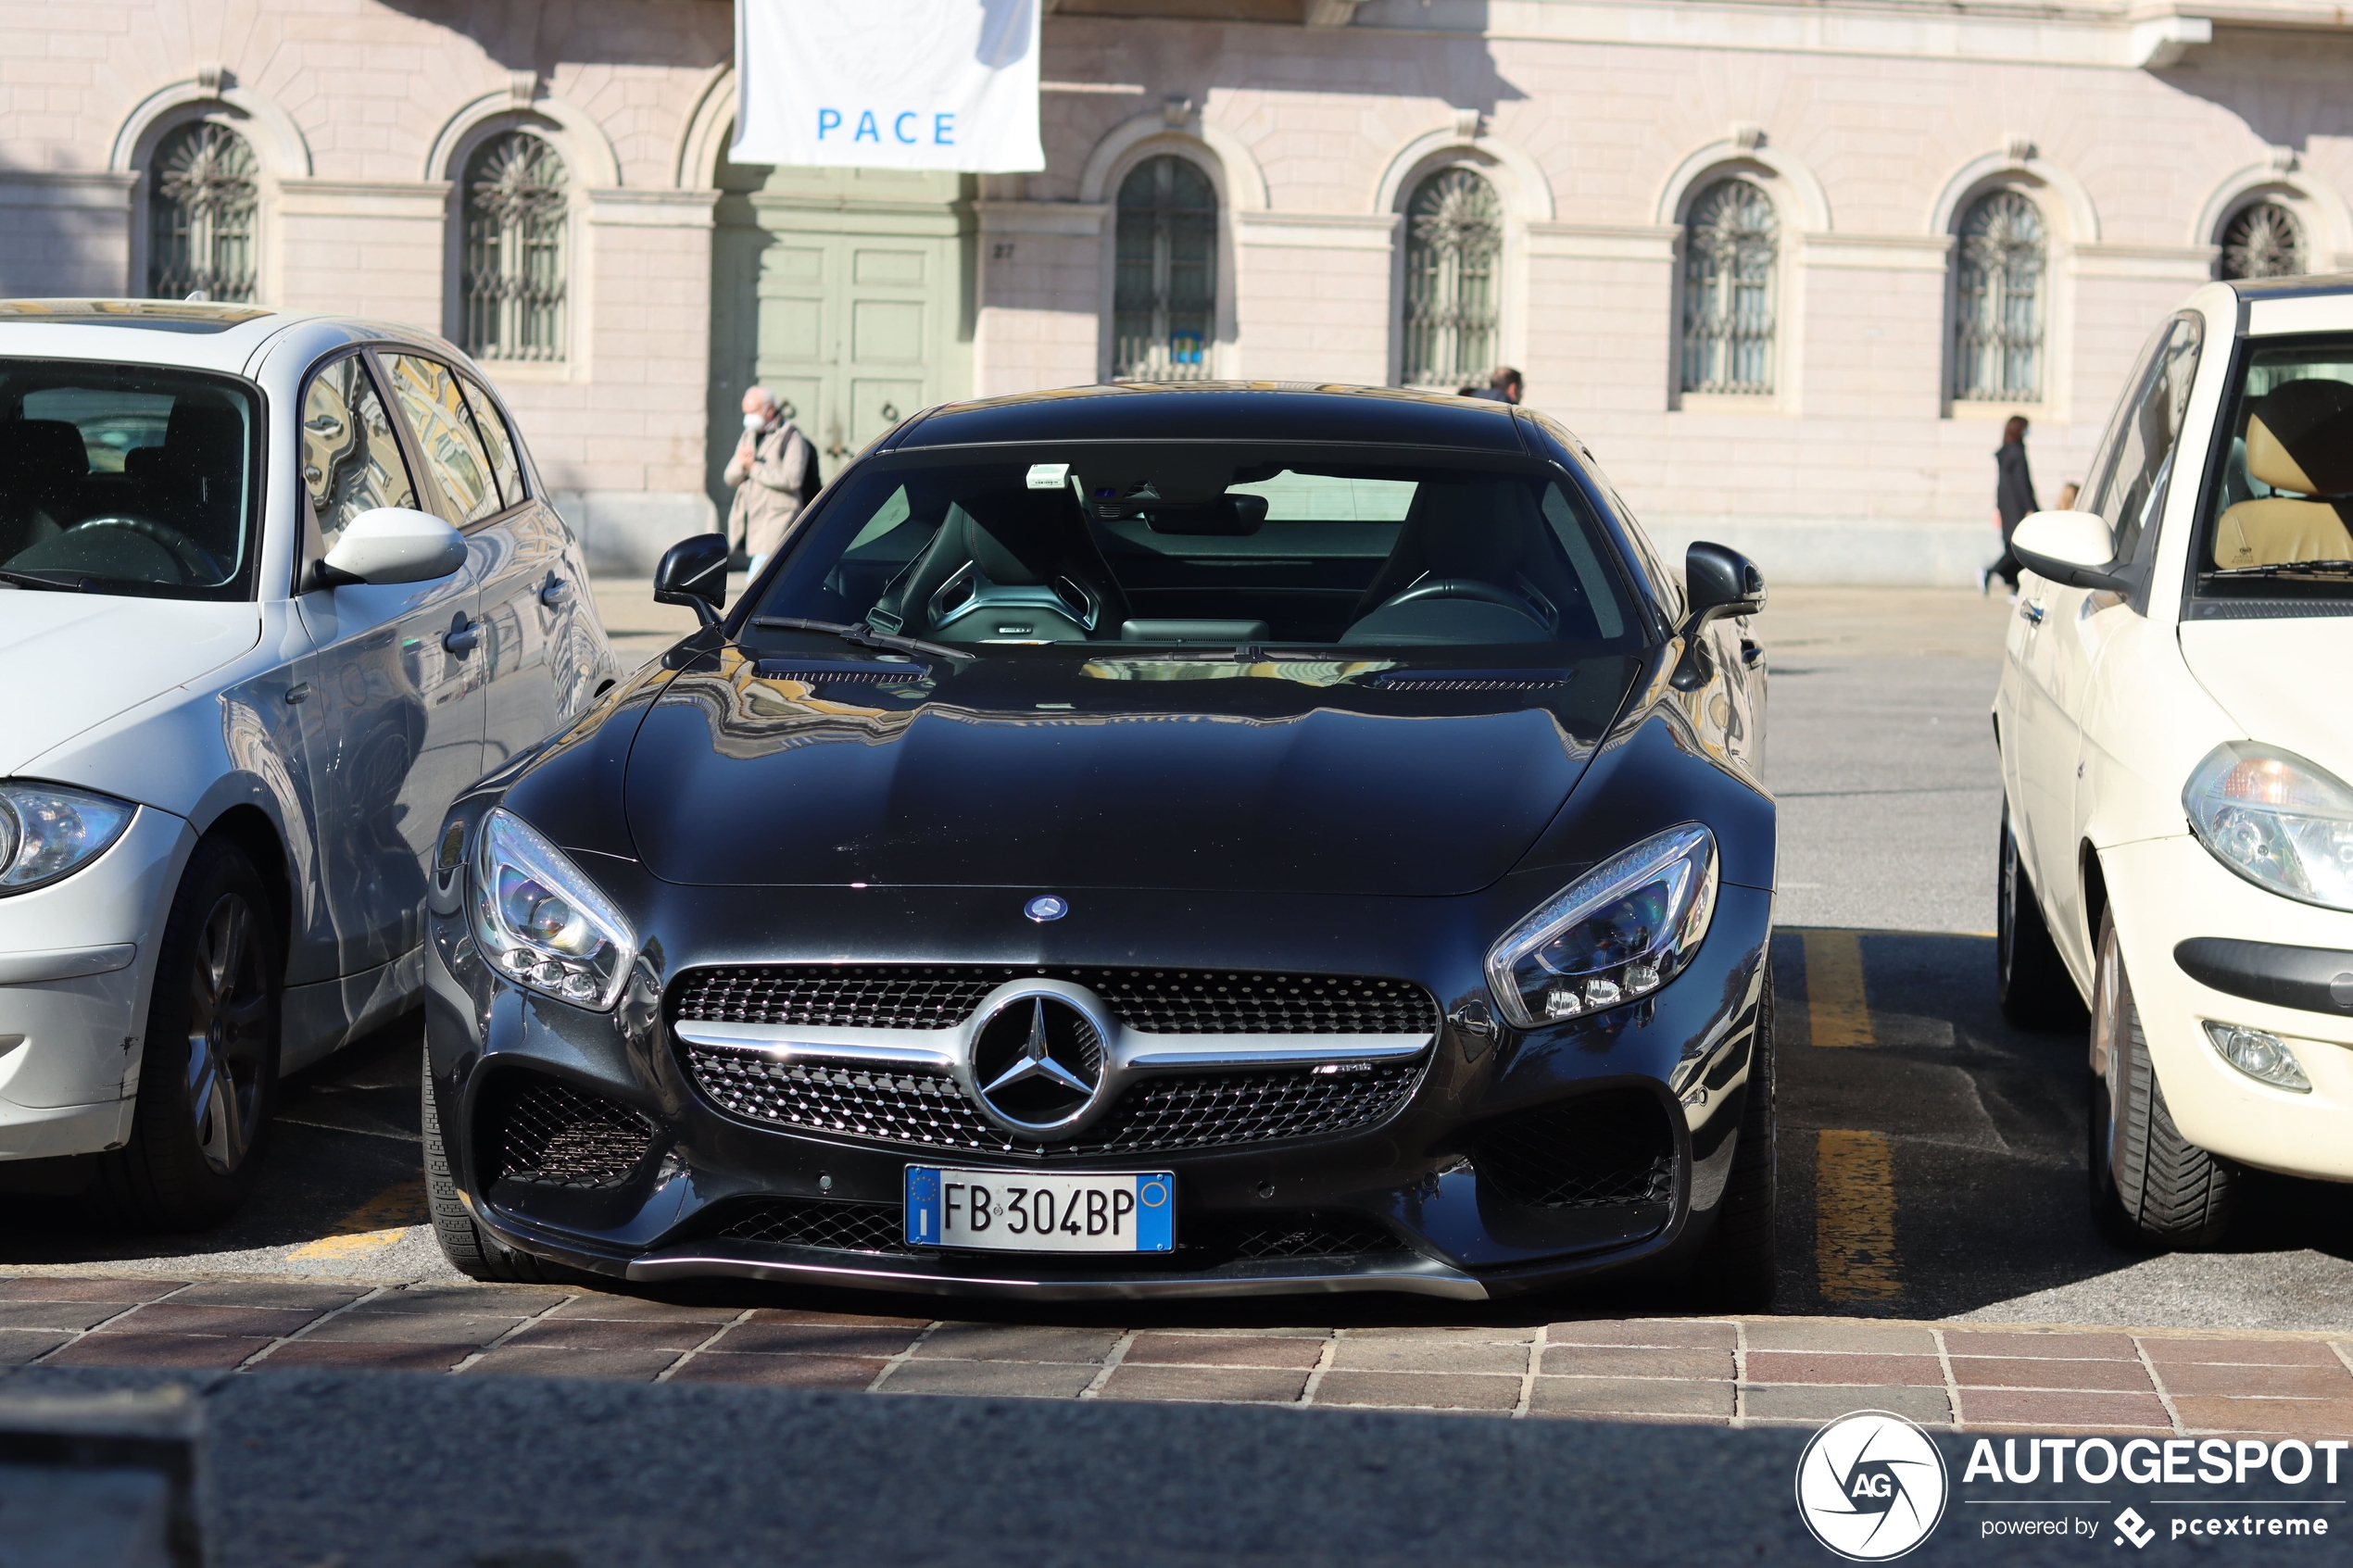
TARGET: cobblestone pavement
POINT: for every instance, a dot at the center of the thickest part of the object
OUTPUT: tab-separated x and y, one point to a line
1743	1372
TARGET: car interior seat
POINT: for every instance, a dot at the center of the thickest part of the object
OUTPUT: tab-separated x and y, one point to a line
1010	565
41	462
1472	564
2299	439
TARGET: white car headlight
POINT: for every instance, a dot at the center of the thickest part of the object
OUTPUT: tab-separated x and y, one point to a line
2282	823
542	922
49	831
1620	931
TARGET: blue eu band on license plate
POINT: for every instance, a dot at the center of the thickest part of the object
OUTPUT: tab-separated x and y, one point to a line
1031	1211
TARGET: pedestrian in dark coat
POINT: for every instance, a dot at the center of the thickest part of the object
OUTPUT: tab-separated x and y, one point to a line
2013	498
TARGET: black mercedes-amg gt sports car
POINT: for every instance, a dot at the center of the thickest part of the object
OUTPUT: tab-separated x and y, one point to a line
1131	841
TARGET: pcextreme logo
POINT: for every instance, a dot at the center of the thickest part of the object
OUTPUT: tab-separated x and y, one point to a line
1871	1487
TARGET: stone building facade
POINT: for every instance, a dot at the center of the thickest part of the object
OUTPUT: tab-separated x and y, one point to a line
1786	265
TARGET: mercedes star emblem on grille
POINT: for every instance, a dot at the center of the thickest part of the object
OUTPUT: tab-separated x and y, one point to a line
1046	906
1038	1062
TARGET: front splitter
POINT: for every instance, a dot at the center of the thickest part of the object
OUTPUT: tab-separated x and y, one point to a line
812	1266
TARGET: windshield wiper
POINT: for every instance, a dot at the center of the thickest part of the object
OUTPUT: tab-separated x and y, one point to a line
2289	569
35	579
865	636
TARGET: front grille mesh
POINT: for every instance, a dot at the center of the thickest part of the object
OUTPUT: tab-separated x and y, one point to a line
1591	1153
1208	1110
839	1227
1168	1001
1311	1236
548	1134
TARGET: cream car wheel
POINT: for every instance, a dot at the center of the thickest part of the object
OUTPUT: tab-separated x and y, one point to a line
2151	1188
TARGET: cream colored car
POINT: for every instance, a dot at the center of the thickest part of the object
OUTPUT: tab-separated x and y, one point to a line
2177	837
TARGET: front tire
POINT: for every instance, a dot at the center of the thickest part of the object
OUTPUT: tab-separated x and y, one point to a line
2152	1188
1740	1268
2031	978
208	1072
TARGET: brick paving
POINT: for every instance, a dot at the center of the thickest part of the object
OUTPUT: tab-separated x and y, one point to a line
1743	1372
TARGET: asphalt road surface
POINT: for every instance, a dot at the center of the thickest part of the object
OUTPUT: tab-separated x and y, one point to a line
1932	1157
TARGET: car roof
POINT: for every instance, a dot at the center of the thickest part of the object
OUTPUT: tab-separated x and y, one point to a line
196	334
2302	286
1291	411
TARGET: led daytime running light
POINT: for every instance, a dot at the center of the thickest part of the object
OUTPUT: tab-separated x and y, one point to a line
1618	933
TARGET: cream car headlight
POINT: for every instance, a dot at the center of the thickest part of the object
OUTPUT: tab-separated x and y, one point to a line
1620	931
49	831
542	922
2282	823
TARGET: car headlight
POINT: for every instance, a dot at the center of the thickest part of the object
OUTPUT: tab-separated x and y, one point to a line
49	831
2282	823
545	924
1620	931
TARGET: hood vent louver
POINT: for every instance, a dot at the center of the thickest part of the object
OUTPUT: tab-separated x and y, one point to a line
1472	680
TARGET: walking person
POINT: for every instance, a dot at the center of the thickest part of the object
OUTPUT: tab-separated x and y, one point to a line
774	474
2013	498
1503	386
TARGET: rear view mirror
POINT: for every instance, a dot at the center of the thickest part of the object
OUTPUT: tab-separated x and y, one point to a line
1718	581
694	571
2072	547
392	544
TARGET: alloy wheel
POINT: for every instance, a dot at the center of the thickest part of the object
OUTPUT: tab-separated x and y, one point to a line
228	1033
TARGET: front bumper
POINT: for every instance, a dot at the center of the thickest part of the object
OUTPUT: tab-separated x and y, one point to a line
77	967
1412	1180
2164	892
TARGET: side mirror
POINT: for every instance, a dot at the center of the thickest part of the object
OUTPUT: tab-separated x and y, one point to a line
694	571
1718	581
2075	548
391	545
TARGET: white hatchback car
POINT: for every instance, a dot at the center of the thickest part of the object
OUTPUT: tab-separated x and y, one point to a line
273	590
2177	842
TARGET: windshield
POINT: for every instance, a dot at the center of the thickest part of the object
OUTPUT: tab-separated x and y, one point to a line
126	479
2278	532
1231	544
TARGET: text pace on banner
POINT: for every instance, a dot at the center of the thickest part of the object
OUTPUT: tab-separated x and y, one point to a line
888	85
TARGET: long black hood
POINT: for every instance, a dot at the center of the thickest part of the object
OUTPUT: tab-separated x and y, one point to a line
1042	772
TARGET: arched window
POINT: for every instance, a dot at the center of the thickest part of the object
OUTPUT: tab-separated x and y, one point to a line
201	195
1998	300
1453	241
1164	292
1731	244
2262	241
513	274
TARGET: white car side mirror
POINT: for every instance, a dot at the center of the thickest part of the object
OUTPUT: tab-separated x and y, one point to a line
2074	538
392	545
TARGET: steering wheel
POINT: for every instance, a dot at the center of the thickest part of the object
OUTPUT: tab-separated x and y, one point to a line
1462	588
197	564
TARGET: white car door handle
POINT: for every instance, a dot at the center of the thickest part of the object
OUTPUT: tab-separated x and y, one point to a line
2030	611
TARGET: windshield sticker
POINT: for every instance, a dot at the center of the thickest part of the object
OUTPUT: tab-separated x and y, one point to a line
1048	476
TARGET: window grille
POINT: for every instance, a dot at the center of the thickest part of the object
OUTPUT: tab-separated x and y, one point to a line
2263	241
1164	293
201	197
514	269
1997	344
1453	240
1731	247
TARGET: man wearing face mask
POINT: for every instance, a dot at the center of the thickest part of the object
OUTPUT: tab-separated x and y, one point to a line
774	474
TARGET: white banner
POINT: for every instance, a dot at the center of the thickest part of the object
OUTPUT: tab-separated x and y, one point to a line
888	85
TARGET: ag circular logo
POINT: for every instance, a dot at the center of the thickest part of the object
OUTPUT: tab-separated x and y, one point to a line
1871	1485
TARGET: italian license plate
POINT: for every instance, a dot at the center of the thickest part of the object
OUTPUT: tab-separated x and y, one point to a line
1022	1211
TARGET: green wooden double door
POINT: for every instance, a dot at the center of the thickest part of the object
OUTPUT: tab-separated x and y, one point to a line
848	292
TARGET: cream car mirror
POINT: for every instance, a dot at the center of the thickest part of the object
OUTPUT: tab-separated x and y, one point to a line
2075	548
392	544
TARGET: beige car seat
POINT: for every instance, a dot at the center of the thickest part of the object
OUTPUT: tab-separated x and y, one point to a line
2299	438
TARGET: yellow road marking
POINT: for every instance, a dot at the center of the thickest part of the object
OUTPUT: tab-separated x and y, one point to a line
380	1222
1836	1014
1854	1217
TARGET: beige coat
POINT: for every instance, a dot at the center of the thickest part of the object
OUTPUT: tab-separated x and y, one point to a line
770	496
